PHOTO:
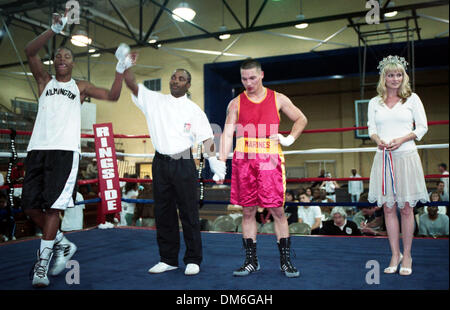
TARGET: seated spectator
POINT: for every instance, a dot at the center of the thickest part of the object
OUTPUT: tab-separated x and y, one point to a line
441	190
339	225
290	211
91	171
298	192
373	225
7	223
433	224
144	211
308	191
263	215
326	210
130	192
72	217
310	215
435	197
315	194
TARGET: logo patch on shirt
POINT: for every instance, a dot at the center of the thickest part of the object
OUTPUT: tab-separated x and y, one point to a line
348	230
187	127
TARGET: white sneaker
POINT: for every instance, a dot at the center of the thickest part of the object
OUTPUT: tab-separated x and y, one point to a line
192	269
40	269
63	252
161	267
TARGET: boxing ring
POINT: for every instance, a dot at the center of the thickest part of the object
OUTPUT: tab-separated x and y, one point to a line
119	258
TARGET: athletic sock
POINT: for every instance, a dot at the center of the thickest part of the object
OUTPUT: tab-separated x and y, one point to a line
46	244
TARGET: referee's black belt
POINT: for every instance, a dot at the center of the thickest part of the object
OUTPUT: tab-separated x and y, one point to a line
331	193
186	154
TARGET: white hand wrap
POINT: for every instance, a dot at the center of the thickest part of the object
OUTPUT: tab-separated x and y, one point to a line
218	167
124	65
59	26
286	141
122	51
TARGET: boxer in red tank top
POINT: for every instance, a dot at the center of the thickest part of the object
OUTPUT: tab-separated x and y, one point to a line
258	173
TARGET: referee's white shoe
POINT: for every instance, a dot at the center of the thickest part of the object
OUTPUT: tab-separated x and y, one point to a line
161	267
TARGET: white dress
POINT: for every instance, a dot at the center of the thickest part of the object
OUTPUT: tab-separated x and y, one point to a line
388	124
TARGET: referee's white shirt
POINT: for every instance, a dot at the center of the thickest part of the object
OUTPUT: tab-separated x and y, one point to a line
174	124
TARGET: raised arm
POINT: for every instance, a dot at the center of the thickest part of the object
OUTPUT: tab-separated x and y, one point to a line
88	89
33	47
130	80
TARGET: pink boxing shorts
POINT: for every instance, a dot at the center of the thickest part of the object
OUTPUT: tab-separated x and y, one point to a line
258	174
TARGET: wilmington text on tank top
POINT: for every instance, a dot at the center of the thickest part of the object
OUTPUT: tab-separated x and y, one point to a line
58	121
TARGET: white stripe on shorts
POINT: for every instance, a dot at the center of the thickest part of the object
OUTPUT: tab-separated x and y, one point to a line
65	199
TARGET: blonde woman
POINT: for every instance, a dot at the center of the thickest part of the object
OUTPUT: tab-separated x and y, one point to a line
396	178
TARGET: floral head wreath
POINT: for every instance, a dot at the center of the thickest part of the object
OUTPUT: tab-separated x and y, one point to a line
392	60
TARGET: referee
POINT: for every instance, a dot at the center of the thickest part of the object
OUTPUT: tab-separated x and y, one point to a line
175	124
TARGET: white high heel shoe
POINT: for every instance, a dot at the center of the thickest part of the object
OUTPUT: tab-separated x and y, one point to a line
404	271
394	268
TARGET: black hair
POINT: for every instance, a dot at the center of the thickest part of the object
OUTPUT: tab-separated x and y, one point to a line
67	49
187	73
443	166
250	64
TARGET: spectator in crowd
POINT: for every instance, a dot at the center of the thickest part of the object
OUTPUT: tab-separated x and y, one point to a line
91	170
263	216
2	182
123	183
339	224
7	223
441	190
435	197
310	215
326	210
316	195
373	224
308	191
443	170
330	187
433	224
130	192
355	188
322	175
290	211
72	218
145	211
298	192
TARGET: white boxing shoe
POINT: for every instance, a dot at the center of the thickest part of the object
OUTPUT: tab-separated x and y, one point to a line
192	269
161	267
40	268
63	251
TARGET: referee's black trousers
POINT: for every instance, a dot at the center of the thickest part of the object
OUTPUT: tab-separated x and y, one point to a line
175	185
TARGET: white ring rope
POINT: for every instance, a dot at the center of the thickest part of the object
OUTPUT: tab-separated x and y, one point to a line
311	151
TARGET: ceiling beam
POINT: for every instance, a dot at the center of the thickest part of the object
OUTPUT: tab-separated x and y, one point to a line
186	21
233	14
123	19
155	20
261	8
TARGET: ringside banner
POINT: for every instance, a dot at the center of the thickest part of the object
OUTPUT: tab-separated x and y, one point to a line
108	176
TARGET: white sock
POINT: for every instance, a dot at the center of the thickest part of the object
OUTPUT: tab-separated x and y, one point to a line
59	236
46	244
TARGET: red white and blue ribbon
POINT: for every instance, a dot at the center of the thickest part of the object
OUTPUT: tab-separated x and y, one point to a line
387	161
